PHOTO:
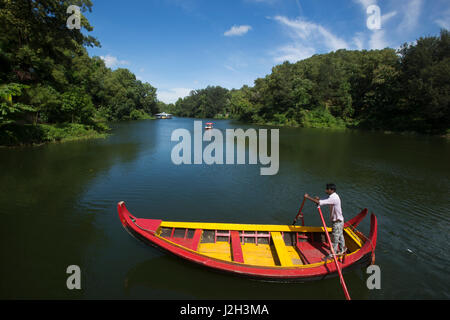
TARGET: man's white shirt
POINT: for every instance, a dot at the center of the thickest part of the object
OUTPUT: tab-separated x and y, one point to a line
335	206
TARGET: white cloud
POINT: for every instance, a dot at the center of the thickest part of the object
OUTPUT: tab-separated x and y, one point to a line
172	95
312	32
444	21
411	16
307	37
237	30
387	16
377	40
111	61
230	68
358	40
378	37
366	3
293	53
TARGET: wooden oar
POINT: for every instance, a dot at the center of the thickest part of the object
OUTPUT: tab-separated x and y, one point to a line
300	212
344	287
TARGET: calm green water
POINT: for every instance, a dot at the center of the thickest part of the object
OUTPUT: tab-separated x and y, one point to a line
58	208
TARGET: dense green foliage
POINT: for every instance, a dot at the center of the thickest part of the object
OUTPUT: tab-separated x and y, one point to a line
47	76
48	79
406	90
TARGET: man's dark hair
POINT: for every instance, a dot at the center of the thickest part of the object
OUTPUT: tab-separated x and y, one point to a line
331	186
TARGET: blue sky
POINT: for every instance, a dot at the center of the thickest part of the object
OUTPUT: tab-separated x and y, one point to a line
181	45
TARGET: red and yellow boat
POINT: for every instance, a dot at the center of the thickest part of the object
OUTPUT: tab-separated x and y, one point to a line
267	252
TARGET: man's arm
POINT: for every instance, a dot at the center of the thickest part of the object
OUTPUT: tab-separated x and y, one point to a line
315	200
329	200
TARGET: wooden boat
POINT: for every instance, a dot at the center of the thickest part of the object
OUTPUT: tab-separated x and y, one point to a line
266	252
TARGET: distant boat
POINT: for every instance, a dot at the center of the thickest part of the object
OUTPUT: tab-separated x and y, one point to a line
270	252
208	125
163	115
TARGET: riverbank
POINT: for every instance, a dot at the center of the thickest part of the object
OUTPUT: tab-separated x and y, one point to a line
15	135
323	119
12	135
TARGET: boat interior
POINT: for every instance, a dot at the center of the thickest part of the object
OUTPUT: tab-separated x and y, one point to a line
283	246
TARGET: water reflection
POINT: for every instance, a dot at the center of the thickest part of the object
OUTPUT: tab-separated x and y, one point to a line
188	281
43	228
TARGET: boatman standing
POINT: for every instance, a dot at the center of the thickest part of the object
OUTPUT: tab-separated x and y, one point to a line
337	219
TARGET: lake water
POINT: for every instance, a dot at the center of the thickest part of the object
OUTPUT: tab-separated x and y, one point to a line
58	208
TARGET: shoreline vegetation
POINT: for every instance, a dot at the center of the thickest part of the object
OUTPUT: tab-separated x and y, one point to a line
52	90
393	91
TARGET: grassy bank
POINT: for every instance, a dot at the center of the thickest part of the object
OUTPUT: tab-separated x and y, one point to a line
316	118
18	135
140	115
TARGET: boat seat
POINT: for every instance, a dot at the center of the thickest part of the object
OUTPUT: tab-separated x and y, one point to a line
236	248
280	247
196	239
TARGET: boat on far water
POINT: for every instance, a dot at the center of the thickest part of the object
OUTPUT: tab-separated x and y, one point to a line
163	115
208	125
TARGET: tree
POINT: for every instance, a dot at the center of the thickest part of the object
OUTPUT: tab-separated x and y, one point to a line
9	111
425	68
77	106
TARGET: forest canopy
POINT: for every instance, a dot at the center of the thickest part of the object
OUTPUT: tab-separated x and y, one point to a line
50	86
403	90
47	76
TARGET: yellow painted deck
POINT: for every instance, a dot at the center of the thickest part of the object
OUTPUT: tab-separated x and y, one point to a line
254	254
219	250
282	253
259	255
278	253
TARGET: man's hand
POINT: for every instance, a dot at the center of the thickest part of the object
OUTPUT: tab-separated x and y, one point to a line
315	199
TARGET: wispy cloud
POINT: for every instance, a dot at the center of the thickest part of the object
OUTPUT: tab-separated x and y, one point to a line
444	20
111	61
377	40
310	31
366	3
412	12
377	37
237	30
386	17
172	95
443	23
307	38
293	53
230	68
358	40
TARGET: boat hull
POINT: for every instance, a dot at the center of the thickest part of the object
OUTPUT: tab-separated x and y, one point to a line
149	232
